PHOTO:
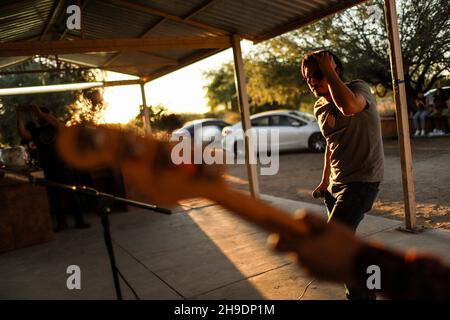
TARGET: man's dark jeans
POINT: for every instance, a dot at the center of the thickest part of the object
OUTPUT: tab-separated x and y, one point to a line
347	203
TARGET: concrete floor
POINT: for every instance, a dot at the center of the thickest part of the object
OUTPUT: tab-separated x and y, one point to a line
199	252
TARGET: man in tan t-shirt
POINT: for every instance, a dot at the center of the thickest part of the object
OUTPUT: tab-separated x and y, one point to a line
354	160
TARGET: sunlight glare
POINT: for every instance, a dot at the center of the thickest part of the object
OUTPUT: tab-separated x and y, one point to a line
122	103
181	91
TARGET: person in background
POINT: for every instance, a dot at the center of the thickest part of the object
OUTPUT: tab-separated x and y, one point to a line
44	137
440	112
32	157
333	253
420	116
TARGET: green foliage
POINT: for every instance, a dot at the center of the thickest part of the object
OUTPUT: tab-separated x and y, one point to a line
221	90
445	82
358	36
160	120
274	83
72	106
270	85
424	28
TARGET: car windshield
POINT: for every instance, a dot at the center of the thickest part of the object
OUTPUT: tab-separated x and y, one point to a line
212	122
190	126
305	116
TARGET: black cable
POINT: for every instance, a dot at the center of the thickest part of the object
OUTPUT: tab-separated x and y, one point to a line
127	283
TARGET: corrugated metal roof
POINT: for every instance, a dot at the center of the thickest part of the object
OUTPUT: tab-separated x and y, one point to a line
169	28
87	59
20	21
255	20
103	20
10	61
179	8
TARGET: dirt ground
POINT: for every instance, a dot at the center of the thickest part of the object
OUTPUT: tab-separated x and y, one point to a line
300	172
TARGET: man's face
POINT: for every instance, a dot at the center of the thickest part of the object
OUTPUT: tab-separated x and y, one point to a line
316	80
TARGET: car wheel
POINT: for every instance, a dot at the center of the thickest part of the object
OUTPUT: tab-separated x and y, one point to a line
316	142
235	150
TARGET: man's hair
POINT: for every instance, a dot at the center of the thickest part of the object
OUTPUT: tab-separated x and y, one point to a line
307	58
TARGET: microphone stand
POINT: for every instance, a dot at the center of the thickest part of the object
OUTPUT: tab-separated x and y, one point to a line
104	205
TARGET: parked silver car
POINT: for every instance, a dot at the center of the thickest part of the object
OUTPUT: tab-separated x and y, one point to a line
296	130
210	130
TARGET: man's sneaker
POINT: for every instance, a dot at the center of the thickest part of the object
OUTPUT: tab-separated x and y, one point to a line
417	133
422	133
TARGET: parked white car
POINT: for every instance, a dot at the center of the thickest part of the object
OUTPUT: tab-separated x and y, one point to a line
296	130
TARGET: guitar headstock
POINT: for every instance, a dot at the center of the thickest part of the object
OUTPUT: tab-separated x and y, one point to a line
152	165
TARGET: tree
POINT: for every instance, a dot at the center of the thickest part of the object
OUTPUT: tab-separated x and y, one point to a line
424	28
221	90
71	106
358	36
274	82
270	84
160	119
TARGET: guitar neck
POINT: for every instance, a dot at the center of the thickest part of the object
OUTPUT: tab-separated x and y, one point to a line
148	159
257	211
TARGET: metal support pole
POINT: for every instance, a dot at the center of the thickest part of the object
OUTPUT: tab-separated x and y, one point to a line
241	88
398	83
145	114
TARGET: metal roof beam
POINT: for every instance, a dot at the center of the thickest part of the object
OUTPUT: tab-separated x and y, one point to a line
51	20
159	56
66	87
55	70
203	6
153	27
185	61
197	10
112	59
147	9
10	49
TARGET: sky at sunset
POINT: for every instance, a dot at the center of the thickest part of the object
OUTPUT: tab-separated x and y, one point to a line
180	91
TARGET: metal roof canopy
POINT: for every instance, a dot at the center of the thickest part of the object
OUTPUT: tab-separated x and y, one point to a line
150	39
